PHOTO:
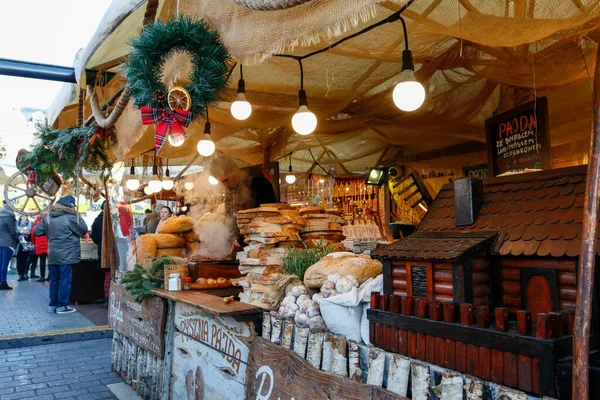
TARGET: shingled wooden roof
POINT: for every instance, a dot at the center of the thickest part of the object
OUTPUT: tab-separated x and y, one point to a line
537	213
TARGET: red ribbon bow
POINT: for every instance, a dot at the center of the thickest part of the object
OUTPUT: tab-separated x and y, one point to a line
167	122
31	175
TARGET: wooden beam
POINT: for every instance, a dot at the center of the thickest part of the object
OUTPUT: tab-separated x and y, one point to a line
578	4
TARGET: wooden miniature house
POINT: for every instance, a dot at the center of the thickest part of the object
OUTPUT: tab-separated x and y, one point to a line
508	247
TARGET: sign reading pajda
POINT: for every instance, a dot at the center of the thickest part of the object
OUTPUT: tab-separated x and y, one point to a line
143	324
519	138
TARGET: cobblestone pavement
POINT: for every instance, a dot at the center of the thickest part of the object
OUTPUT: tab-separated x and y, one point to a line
25	310
76	370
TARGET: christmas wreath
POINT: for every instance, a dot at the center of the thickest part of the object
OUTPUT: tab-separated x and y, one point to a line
157	42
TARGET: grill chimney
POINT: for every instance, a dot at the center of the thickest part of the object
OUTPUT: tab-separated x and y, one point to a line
468	200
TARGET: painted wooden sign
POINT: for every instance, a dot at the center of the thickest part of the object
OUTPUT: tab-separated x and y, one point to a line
210	354
143	324
278	373
519	138
419	281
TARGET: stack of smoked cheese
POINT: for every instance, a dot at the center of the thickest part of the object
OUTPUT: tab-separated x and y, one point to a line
322	226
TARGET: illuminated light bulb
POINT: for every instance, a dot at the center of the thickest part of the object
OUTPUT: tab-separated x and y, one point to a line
304	121
188	185
408	94
212	180
147	190
132	184
168	183
155	184
206	147
290	178
241	108
175	139
321	180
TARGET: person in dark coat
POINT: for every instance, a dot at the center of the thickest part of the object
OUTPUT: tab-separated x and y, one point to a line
242	192
8	242
24	248
152	220
97	233
41	252
63	228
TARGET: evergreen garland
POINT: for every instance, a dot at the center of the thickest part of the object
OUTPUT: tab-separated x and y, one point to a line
67	151
157	42
141	281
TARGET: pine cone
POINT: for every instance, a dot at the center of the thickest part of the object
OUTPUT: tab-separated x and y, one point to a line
159	99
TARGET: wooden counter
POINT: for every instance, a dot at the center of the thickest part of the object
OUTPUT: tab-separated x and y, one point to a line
211	303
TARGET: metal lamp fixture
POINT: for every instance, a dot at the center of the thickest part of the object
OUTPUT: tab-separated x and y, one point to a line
133	183
408	94
290	177
155	184
241	108
212	180
304	121
206	147
168	183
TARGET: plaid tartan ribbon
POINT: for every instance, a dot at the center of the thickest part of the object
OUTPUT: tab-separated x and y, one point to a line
31	175
167	122
101	133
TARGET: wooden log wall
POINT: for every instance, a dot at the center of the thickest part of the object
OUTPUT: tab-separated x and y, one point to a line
442	282
399	277
138	367
399	374
488	362
481	282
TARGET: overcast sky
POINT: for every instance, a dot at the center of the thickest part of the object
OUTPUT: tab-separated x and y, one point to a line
44	31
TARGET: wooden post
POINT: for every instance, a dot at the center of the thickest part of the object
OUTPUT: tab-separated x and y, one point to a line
266	329
166	373
327	352
420	381
449	313
376	366
339	361
276	332
354	370
435	310
452	386
315	349
502	319
466	314
288	331
524	322
300	340
585	281
398	375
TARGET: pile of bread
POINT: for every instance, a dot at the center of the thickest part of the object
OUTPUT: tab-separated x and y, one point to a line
175	238
323	226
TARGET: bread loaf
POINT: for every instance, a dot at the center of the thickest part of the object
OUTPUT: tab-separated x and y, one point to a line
193	247
343	263
146	247
168	240
178	224
171	252
191	236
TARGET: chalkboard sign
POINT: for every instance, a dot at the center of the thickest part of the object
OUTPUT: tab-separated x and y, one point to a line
418	277
519	139
476	171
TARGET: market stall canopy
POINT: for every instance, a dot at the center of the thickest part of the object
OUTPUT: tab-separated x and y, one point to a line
467	55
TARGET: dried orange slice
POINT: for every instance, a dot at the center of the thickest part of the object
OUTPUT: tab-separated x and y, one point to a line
179	99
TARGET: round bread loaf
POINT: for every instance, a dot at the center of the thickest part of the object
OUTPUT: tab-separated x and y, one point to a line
168	240
343	263
178	224
171	252
146	246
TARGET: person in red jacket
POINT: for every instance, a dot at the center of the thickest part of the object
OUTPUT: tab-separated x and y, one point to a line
41	252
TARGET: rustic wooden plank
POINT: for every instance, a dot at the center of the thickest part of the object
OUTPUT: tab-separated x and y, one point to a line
559	265
510	372
483	317
544	326
535	375
420	381
452	386
408	304
354	371
440	351
473	388
449	313
373	327
421	308
266	327
412	344
395	304
315	349
473	359
399	372
113	351
211	303
327	360
430	349
485	363
301	340
395	340
524	322
497	369
436	310
276	372
339	362
505	393
466	314
388	336
287	332
524	370
403	343
144	323
163	385
461	357
501	319
276	332
376	366
421	346
450	355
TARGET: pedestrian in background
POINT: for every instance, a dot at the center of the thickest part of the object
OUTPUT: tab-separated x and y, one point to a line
41	252
8	242
97	238
63	228
152	219
24	248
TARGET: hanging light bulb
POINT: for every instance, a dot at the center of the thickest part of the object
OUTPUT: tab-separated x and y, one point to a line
241	108
304	121
290	177
176	139
206	147
133	183
188	185
168	183
409	94
147	190
212	180
155	184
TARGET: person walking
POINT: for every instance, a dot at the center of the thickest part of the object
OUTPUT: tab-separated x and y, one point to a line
41	252
8	242
24	248
63	228
97	238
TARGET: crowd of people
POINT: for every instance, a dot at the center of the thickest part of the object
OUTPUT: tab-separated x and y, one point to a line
54	238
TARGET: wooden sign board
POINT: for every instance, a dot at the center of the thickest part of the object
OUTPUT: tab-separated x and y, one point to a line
143	324
476	171
275	372
419	281
519	138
